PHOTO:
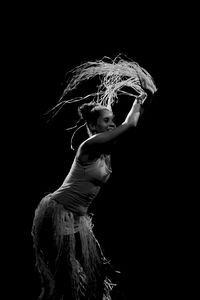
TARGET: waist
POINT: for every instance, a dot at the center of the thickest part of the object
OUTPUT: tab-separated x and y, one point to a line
75	200
76	209
68	222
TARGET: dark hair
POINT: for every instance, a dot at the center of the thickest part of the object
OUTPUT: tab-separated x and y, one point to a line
89	112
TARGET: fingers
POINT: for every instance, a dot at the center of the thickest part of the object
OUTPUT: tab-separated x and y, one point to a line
141	98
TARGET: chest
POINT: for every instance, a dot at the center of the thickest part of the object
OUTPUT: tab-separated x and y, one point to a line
99	170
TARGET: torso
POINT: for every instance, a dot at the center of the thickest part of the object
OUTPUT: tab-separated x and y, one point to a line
83	182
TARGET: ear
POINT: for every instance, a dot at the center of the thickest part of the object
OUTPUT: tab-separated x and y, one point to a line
92	127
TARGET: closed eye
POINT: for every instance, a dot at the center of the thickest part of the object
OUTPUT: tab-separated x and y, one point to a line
109	119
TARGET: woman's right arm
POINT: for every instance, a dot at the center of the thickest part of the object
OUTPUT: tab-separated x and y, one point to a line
107	138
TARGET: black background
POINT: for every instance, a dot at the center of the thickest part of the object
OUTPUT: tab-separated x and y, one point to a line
139	216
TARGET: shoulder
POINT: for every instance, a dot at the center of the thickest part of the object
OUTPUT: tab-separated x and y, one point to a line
86	153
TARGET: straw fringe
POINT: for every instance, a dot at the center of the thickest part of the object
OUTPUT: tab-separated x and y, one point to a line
114	75
85	275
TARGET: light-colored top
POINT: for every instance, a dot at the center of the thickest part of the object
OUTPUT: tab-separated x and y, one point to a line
82	184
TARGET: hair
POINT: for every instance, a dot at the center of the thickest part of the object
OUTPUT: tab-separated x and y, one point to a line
89	112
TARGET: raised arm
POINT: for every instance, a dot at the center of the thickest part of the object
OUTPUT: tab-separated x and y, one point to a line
97	143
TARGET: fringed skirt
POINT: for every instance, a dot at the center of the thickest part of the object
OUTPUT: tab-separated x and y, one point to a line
69	259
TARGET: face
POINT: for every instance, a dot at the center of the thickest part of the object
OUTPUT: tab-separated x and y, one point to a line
105	121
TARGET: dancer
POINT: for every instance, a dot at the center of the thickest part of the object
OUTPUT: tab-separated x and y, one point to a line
69	258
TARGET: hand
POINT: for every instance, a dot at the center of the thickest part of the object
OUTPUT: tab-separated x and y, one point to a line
141	98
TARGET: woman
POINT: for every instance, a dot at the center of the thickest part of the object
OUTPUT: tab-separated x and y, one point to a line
68	256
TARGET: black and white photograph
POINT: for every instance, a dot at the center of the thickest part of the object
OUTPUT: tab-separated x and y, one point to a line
100	213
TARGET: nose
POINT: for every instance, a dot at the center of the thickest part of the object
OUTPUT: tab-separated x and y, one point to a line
112	125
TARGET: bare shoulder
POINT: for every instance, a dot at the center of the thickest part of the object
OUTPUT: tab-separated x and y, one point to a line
82	154
87	153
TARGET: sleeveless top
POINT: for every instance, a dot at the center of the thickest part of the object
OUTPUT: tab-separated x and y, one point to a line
82	184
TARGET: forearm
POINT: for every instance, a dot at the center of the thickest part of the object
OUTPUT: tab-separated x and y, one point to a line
109	136
133	115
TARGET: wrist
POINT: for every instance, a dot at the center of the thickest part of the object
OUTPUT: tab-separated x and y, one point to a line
129	124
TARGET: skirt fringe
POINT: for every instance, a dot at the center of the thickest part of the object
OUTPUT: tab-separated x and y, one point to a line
65	241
